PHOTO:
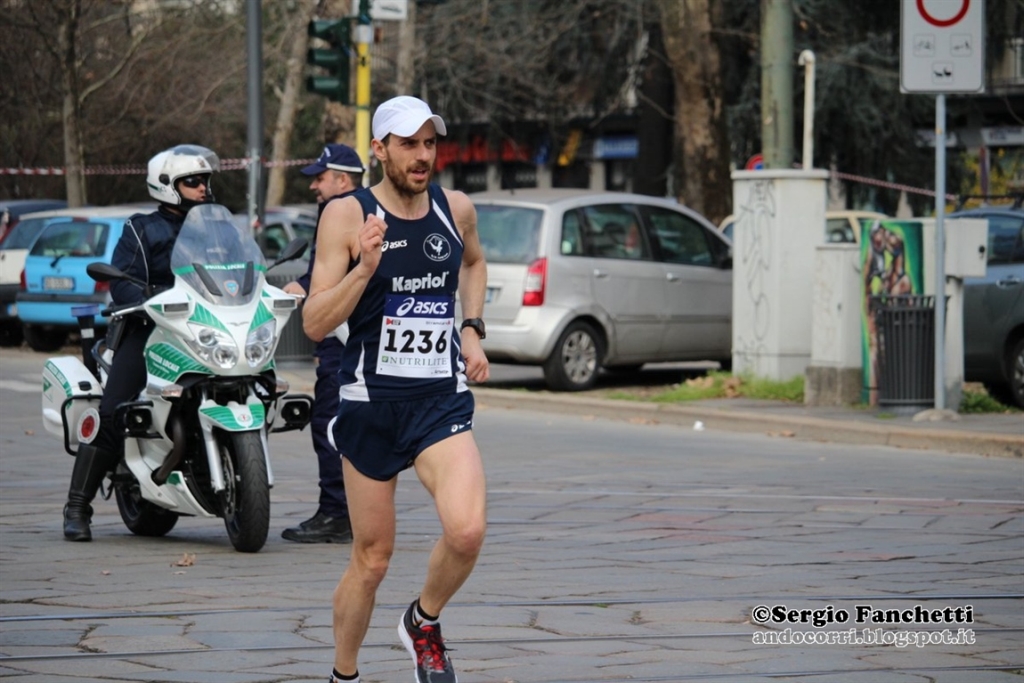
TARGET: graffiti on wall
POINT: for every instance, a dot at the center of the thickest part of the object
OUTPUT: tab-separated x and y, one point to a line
754	226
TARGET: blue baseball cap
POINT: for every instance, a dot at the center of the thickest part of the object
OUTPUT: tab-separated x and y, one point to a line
336	157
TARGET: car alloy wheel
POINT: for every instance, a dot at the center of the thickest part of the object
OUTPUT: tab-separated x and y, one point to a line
1016	367
575	360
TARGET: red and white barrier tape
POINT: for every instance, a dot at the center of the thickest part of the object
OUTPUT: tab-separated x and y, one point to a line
888	185
225	165
243	163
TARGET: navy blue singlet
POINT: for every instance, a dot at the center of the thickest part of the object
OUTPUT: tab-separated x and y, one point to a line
403	343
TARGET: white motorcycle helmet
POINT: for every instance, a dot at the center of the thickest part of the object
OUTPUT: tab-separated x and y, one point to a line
180	161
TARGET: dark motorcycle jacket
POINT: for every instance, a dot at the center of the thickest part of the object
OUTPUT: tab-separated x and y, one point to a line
144	252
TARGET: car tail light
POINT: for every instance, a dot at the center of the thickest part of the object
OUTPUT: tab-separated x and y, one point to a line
101	287
22	282
536	280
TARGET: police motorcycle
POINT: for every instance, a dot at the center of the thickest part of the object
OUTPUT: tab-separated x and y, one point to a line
196	436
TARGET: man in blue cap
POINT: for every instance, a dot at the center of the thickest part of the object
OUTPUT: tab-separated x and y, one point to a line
337	173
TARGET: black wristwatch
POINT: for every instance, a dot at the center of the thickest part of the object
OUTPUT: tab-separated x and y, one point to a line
477	324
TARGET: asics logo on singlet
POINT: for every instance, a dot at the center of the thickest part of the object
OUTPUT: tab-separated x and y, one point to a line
415	284
421	307
393	245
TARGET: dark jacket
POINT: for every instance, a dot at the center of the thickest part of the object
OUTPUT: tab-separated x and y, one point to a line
144	252
328	344
304	279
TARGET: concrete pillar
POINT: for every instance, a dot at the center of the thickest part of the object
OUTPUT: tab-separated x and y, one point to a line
543	177
966	241
446	178
780	219
834	376
493	177
597	175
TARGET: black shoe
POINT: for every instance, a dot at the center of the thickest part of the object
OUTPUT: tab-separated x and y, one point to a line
428	650
77	518
315	519
320	529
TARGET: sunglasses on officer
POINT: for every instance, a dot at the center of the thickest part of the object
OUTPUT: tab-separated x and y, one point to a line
194	181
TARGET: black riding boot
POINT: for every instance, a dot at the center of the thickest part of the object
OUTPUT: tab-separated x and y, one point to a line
91	465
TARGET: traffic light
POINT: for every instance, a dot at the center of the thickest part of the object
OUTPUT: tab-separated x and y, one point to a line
334	60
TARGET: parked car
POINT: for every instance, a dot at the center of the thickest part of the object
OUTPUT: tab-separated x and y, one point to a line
281	225
994	308
55	280
840	226
11	210
580	280
13	250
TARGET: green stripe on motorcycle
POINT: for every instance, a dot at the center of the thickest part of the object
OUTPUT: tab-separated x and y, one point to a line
262	315
202	316
226	418
168	363
59	376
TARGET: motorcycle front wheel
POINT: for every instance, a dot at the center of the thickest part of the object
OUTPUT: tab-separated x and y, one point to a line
140	516
245	501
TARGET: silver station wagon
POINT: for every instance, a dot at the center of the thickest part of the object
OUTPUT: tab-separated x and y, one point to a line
579	280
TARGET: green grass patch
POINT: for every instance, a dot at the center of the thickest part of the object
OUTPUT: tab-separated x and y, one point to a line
758	387
981	402
725	385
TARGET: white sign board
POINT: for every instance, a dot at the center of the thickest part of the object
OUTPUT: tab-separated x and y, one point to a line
942	46
385	10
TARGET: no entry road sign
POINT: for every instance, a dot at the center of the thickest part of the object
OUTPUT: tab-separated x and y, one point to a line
942	48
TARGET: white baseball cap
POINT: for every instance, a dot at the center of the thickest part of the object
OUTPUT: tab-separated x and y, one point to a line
403	116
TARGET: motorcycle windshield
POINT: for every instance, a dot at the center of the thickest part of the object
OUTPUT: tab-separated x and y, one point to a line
216	258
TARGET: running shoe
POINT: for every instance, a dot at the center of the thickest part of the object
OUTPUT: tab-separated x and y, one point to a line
428	650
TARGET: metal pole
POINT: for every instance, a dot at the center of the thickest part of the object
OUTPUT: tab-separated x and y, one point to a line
254	45
807	61
777	83
364	36
940	252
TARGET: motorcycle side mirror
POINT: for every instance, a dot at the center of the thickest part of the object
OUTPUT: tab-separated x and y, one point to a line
293	250
104	272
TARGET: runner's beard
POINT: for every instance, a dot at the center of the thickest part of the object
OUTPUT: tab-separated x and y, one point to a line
400	180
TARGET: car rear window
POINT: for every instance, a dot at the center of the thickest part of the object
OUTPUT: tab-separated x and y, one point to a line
23	234
1005	239
75	238
304	230
509	234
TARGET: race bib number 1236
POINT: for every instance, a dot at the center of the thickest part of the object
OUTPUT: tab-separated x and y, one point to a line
416	336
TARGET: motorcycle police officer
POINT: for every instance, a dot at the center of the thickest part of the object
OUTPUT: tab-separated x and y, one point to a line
178	178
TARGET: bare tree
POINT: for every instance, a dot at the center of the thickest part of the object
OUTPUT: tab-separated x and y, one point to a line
298	39
78	24
526	61
700	114
116	82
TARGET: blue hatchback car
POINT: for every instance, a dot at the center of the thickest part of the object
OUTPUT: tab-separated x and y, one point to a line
55	280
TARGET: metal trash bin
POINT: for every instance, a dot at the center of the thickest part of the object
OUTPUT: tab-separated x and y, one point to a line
905	326
294	345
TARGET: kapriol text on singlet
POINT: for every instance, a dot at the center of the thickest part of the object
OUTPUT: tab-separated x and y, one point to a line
414	284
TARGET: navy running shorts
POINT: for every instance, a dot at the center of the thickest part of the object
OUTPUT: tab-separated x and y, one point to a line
382	438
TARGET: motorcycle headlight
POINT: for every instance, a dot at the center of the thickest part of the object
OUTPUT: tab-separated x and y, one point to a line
260	343
213	346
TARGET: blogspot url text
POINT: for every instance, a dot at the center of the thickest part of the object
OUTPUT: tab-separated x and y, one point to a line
866	636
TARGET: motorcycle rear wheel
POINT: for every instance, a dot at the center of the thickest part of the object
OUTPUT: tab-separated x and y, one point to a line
245	502
140	516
